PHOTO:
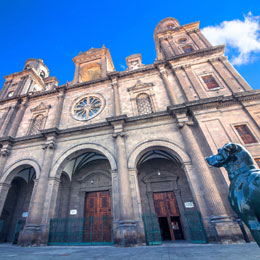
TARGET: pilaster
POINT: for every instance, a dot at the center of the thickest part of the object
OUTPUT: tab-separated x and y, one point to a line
235	74
194	82
216	64
183	83
196	40
18	117
8	120
60	97
203	38
117	108
168	86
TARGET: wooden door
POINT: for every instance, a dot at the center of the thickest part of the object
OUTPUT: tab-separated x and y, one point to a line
98	217
166	207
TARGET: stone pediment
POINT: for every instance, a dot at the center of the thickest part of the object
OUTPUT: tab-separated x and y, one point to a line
140	85
41	107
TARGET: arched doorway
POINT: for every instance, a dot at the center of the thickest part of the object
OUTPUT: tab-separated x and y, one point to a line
16	206
84	202
165	192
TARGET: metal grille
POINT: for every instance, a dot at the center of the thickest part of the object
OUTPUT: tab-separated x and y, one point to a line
1	224
19	227
37	124
152	229
81	231
144	105
196	228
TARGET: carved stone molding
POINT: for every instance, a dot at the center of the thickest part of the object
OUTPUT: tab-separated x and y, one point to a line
41	107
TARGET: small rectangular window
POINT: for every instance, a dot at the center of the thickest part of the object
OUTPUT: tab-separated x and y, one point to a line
245	134
210	82
187	49
257	160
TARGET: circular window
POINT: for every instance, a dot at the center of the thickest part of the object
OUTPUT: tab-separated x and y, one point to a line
42	74
87	108
170	26
10	94
182	40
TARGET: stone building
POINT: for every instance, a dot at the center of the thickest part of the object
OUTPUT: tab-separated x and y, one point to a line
118	156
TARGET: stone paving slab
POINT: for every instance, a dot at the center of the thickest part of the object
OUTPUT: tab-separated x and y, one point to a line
163	252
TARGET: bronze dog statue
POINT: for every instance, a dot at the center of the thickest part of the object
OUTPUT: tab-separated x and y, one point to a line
244	189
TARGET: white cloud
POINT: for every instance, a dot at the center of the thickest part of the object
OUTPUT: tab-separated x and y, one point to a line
122	66
240	37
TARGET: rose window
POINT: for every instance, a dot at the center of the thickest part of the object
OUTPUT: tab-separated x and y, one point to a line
87	108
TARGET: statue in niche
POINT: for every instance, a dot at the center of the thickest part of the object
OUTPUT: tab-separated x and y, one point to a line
244	189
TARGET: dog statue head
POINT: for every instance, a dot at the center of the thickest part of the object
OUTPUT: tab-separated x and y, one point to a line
224	155
234	157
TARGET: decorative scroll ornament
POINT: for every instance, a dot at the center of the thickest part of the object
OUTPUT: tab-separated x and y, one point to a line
87	108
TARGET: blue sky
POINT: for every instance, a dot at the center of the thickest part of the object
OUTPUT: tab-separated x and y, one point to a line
56	31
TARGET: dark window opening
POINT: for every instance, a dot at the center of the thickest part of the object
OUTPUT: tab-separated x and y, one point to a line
245	134
187	49
210	82
257	160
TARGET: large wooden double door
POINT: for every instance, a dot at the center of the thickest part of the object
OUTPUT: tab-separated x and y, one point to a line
168	214
98	217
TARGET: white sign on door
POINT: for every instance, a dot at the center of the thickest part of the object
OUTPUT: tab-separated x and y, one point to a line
73	212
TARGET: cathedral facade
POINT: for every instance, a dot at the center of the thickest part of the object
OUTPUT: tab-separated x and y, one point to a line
117	157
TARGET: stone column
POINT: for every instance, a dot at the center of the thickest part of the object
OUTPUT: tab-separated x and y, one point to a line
203	185
59	106
169	88
33	230
4	188
137	205
235	74
205	178
125	234
4	153
117	108
49	208
18	118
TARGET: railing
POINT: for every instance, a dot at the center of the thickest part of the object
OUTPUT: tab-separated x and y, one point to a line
19	227
1	224
81	231
196	229
152	229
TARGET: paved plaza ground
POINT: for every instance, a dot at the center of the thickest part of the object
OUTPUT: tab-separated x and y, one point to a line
166	251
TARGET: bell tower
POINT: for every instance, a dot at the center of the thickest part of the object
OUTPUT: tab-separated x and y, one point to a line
172	39
92	64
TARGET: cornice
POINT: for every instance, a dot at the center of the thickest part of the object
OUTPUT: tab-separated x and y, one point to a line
203	104
197	53
189	26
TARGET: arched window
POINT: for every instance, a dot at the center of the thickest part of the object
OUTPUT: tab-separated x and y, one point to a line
37	124
144	104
